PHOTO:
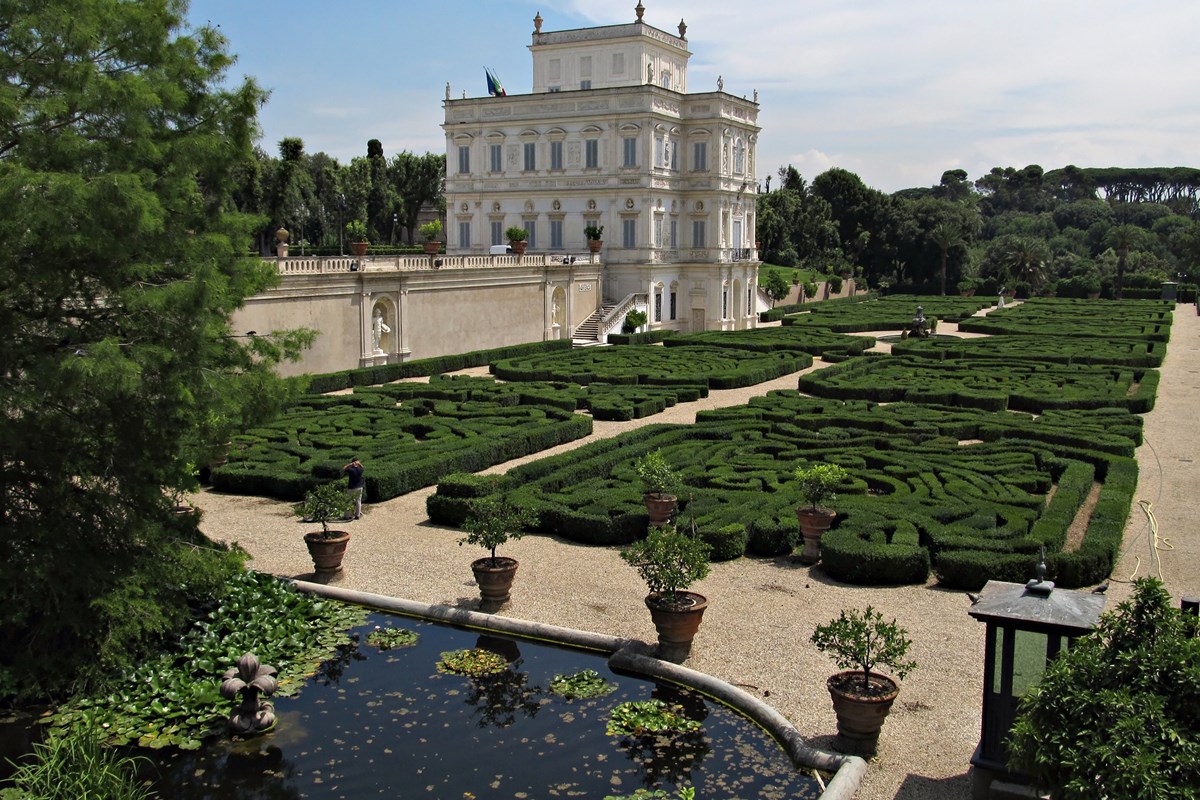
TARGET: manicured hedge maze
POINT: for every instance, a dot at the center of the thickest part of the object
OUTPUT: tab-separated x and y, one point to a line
714	367
1148	320
890	313
1058	349
960	491
370	376
604	401
811	340
985	383
404	447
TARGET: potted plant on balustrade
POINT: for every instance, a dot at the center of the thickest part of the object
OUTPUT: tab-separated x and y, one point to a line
858	643
430	232
323	504
817	484
491	522
968	286
659	483
670	561
593	233
516	239
356	232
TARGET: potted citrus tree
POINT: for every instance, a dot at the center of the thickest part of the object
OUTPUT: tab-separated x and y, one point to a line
323	504
430	232
492	521
593	233
818	484
858	643
659	482
517	239
356	232
670	561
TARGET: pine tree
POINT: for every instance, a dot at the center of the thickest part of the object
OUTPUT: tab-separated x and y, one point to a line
120	262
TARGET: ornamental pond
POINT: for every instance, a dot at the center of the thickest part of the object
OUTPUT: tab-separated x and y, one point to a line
388	723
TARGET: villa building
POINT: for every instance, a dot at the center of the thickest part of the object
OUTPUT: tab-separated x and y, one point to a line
609	137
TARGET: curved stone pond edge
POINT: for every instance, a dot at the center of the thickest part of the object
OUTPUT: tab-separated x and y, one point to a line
631	655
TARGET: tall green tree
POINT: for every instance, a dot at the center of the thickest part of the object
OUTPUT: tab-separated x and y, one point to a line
417	181
1123	239
120	261
946	237
1017	258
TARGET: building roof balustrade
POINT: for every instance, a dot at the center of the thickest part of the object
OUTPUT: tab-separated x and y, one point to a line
312	265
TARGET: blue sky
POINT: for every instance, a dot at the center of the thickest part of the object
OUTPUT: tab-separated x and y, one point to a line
896	92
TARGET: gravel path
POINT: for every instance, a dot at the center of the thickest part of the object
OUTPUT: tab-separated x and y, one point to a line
762	611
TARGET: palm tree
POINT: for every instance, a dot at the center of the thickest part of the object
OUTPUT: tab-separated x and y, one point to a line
946	236
1022	257
1122	239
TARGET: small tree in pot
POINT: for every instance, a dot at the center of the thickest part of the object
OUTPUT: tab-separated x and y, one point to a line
593	233
669	562
858	643
430	232
818	484
516	239
323	504
356	232
491	522
659	483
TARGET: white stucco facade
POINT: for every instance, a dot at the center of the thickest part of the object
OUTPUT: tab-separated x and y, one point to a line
610	137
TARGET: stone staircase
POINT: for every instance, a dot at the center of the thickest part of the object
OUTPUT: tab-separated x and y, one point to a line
587	332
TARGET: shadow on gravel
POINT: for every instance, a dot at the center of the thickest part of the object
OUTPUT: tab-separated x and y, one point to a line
918	787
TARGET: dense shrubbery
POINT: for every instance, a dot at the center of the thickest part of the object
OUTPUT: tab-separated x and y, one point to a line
917	497
986	383
369	376
646	337
404	447
1145	320
780	312
811	339
1118	714
1056	349
715	367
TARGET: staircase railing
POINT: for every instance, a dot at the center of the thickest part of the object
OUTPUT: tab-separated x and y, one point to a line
616	315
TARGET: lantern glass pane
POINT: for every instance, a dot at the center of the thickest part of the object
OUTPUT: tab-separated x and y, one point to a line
998	657
1029	660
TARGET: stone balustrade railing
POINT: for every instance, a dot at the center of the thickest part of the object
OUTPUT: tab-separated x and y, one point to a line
313	265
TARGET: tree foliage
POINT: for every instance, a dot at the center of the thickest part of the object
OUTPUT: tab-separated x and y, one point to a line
1118	715
120	263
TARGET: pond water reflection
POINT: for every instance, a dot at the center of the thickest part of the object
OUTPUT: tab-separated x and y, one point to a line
378	723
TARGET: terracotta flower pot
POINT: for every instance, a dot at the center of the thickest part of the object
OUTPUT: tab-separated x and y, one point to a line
814	522
594	245
327	553
676	624
359	248
432	248
518	248
860	715
495	579
659	507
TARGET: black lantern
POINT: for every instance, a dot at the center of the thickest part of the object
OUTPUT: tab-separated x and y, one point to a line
1027	626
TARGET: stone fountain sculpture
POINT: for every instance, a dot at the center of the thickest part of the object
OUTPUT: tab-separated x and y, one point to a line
249	679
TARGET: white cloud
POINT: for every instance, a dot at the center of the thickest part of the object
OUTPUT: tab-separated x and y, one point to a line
895	91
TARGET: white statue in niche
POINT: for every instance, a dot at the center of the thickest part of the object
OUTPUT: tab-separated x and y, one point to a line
378	329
